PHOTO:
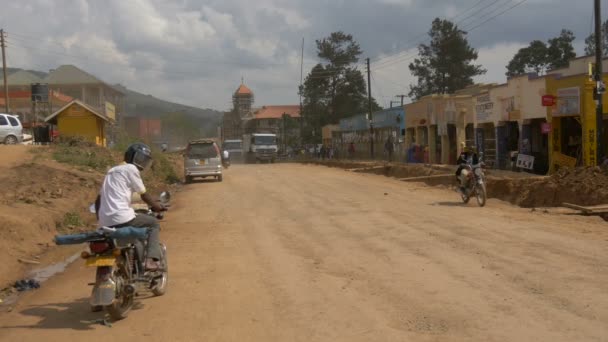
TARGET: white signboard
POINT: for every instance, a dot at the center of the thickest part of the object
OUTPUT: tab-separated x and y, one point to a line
568	102
525	161
484	107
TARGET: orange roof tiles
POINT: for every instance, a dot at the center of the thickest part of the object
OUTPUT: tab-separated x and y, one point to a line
243	90
276	112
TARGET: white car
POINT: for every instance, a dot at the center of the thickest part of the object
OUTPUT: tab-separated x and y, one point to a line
11	130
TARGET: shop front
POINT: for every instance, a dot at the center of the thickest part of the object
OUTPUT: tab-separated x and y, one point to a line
573	137
485	130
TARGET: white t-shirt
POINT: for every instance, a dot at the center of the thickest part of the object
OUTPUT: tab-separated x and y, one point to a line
116	191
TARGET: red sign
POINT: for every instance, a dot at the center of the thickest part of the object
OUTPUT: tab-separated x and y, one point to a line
545	128
548	100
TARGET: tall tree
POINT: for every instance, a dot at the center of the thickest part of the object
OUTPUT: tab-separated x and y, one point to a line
590	41
539	56
334	88
446	64
560	50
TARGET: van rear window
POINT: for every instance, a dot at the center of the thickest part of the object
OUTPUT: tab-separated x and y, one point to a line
13	121
202	151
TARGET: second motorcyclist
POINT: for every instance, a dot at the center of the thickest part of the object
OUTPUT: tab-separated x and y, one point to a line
468	156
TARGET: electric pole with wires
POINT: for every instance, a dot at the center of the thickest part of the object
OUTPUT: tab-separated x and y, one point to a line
3	47
369	101
599	85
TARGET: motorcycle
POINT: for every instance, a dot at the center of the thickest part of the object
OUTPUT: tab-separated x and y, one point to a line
475	184
225	160
119	258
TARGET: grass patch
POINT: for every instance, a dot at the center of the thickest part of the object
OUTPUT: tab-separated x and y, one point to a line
82	154
71	221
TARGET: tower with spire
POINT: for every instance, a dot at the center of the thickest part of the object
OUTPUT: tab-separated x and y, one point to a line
242	100
234	121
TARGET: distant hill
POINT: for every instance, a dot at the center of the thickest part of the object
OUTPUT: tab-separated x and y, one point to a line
138	104
40	74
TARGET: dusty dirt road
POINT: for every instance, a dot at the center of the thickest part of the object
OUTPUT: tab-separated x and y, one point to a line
308	253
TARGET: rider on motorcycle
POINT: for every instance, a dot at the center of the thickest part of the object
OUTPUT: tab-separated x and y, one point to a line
225	158
468	156
113	204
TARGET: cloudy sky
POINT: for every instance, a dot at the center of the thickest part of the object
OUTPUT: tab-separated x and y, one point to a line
195	52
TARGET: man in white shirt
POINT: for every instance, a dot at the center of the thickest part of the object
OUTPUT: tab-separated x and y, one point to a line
114	201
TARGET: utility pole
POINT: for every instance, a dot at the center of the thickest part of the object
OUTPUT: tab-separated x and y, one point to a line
371	119
401	96
3	46
301	80
599	85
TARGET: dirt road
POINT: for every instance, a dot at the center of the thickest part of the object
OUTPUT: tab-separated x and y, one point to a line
308	253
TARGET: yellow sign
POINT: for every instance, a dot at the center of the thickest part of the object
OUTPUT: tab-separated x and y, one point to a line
110	111
590	139
563	160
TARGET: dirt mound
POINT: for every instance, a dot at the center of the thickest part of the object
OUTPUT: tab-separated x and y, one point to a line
582	186
38	200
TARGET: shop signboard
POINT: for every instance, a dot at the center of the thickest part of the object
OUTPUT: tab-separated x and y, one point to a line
548	100
568	102
563	160
510	112
525	161
483	109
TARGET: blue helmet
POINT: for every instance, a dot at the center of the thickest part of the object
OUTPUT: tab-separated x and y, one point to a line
139	154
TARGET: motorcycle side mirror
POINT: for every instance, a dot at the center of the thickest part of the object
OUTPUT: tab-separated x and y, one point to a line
165	197
92	209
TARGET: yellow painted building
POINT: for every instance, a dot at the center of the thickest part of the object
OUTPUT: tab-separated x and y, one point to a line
79	119
573	121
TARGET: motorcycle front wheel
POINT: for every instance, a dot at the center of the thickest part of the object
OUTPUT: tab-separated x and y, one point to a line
160	287
481	194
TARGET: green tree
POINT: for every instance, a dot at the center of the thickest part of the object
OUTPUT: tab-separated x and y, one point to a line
445	65
532	58
560	50
539	57
590	41
334	88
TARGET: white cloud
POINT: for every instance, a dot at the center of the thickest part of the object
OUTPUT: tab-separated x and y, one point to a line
195	52
495	59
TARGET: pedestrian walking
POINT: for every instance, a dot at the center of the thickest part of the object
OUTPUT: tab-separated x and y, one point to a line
351	150
389	147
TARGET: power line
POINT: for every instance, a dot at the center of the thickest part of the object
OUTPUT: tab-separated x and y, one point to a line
415	39
408	57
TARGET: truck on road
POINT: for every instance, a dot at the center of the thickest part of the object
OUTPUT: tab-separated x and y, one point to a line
258	147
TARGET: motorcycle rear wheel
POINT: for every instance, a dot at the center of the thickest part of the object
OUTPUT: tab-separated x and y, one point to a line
161	284
121	306
481	194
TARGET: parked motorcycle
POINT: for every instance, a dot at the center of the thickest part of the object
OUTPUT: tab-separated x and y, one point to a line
119	256
475	184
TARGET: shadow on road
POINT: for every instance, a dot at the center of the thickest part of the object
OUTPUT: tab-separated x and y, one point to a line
74	315
202	180
451	204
